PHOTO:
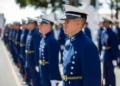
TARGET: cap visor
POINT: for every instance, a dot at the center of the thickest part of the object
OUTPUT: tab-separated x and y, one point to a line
63	18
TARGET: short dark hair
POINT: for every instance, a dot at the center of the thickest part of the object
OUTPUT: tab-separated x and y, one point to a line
52	23
35	22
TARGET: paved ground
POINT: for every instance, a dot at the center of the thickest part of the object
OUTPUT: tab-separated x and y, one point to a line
117	72
9	73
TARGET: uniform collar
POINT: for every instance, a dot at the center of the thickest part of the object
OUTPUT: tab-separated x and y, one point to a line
26	30
117	27
61	28
33	29
101	28
48	34
76	36
106	29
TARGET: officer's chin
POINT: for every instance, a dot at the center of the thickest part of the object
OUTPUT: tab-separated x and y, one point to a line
65	31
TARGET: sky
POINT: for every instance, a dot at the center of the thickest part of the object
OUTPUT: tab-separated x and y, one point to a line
12	11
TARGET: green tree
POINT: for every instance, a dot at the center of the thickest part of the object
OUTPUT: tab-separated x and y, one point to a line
53	4
46	3
117	8
40	3
114	6
117	0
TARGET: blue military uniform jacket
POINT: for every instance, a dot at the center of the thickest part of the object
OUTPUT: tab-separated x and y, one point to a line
14	45
109	45
117	32
48	58
17	41
61	37
10	38
6	34
13	37
99	38
32	48
13	42
81	61
23	43
88	32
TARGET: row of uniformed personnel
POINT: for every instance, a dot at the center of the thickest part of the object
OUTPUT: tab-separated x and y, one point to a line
108	45
36	51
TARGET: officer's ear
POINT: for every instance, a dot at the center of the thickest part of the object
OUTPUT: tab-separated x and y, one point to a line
77	21
84	21
51	24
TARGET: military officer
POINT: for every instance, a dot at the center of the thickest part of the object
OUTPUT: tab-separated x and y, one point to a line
110	53
10	37
22	46
116	29
32	52
17	44
6	33
61	39
4	37
48	53
15	60
87	31
99	37
23	41
81	63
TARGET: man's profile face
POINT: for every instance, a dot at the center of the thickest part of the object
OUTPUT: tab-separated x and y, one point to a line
43	28
31	26
70	25
106	24
23	26
101	24
116	24
11	26
17	26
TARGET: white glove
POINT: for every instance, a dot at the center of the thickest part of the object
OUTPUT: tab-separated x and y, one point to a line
54	82
101	56
118	60
37	68
114	62
119	46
